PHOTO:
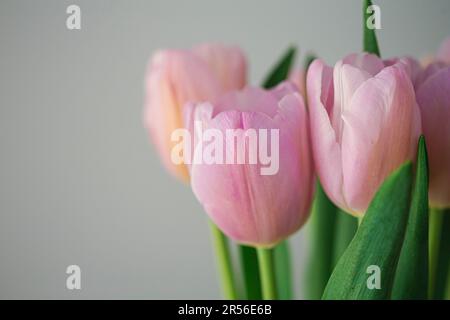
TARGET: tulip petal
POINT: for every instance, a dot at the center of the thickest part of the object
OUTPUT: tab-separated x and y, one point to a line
283	89
373	143
348	75
227	63
429	71
326	150
192	113
433	97
247	100
367	62
346	80
159	122
413	66
169	84
298	77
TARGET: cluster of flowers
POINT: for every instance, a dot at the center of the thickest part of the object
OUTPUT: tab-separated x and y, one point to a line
351	126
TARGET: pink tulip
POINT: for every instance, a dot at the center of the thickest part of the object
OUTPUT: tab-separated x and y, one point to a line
227	63
249	206
365	123
298	77
175	77
433	97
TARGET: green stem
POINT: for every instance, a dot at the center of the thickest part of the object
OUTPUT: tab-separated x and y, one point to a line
223	262
267	272
283	270
360	219
435	227
250	272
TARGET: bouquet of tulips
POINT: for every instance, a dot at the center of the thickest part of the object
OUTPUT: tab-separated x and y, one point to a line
363	147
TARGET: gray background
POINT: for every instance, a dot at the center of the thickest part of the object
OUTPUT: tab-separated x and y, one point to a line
79	181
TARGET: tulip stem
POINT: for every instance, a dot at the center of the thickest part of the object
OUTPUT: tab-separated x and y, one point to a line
224	265
434	236
267	272
360	219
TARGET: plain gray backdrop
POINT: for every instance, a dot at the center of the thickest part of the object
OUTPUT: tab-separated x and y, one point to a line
79	181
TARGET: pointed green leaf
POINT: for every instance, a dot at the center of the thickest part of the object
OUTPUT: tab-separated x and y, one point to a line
283	271
370	38
411	278
322	237
281	70
250	272
377	243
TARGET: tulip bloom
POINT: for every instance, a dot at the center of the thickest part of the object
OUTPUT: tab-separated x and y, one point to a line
248	206
433	97
175	77
365	123
298	77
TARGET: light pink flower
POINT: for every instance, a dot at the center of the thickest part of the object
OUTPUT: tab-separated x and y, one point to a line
298	77
249	207
433	97
365	123
175	77
432	86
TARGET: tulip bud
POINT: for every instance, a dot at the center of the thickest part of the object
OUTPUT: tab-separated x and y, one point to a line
258	185
365	123
176	77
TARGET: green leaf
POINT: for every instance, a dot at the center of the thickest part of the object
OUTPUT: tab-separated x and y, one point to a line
346	226
370	38
442	276
322	237
250	272
377	243
266	263
411	278
283	271
281	70
331	231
